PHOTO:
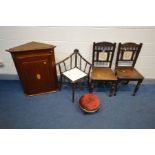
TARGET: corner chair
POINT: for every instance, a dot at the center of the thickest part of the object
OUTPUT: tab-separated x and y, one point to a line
74	68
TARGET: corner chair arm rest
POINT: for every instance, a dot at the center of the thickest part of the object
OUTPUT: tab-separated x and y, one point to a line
64	59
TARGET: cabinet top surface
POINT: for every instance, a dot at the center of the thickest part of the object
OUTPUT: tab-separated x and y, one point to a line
31	46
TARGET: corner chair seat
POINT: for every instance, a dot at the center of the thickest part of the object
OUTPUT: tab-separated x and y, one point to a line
74	74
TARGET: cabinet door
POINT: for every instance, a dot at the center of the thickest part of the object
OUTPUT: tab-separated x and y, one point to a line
37	74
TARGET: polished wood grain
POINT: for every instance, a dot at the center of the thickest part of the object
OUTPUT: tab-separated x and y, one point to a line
103	74
128	74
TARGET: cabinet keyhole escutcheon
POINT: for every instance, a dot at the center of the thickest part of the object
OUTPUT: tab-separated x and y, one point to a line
38	76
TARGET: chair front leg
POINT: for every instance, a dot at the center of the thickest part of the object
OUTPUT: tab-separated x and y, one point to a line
91	86
73	91
88	83
112	89
126	82
137	87
115	89
60	85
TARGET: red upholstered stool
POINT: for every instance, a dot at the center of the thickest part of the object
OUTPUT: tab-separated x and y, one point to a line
89	103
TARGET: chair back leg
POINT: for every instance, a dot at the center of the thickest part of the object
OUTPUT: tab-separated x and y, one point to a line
137	87
115	89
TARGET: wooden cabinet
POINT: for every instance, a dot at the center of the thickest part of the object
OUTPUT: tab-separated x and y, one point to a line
35	64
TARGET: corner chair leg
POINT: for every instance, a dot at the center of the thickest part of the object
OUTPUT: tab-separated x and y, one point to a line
73	91
60	85
137	87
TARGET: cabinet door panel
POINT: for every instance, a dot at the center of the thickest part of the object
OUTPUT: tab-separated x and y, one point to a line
37	75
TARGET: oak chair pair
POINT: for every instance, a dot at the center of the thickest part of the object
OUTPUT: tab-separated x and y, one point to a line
75	67
127	54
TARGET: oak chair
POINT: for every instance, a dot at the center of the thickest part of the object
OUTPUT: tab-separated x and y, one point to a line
125	62
74	68
103	53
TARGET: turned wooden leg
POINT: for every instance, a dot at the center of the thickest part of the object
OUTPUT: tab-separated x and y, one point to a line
126	82
88	83
73	91
60	85
112	89
91	87
115	89
137	87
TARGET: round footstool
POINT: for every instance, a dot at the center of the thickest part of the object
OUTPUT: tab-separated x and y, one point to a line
89	103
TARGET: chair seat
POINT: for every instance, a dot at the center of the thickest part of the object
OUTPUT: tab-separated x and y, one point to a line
89	102
103	74
128	73
74	74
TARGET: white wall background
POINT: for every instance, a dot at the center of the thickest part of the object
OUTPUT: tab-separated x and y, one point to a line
67	39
